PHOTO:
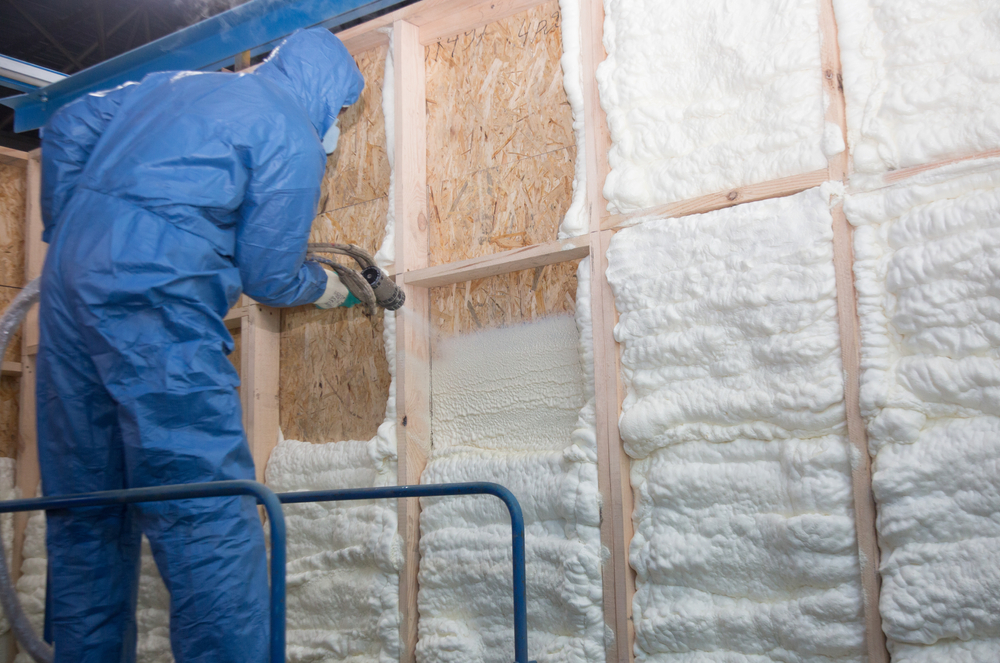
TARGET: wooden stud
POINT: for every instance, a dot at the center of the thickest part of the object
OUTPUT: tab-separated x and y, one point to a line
27	472
786	186
260	361
413	322
861	474
850	347
515	260
613	464
8	155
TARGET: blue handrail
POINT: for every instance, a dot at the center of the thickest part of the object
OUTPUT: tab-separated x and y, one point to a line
444	490
272	504
264	496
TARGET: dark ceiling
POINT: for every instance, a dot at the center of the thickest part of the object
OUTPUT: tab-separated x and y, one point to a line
70	35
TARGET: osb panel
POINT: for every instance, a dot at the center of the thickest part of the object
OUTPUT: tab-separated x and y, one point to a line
362	224
7	295
495	95
504	300
498	209
334	375
12	188
9	390
358	171
334	379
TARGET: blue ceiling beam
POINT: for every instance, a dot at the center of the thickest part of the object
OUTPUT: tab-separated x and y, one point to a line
257	26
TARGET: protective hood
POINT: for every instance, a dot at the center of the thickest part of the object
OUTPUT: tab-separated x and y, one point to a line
315	67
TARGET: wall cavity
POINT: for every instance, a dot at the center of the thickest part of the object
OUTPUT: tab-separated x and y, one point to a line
705	96
514	406
927	255
744	544
920	80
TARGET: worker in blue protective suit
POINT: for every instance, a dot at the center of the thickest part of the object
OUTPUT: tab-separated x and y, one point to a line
163	201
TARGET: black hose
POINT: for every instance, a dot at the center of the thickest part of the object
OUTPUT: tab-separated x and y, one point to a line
30	642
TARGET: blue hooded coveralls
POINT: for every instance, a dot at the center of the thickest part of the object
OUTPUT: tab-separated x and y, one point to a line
162	201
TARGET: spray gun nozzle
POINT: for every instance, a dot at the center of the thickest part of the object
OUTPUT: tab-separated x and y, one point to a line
388	295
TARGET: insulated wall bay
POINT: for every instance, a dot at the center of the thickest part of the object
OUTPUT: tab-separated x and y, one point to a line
927	263
744	543
705	96
920	77
514	405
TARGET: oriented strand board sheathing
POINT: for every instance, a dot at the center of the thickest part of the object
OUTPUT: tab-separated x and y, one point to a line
500	144
334	377
358	171
13	179
10	390
503	208
926	257
505	300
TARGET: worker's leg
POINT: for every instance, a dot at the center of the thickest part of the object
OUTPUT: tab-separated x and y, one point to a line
181	423
93	553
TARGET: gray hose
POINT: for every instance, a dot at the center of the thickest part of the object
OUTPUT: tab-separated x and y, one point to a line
30	642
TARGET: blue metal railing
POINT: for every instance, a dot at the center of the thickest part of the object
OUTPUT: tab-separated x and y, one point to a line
272	505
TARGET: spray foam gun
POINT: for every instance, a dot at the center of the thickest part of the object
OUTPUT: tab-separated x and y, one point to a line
372	286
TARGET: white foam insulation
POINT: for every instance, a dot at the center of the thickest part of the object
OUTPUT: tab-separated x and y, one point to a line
702	97
927	259
920	78
744	545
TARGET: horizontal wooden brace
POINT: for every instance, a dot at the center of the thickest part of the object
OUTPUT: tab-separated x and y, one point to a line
8	155
11	368
514	260
786	186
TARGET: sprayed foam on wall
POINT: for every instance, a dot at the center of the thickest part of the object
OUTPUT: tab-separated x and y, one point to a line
576	222
343	557
513	406
705	96
927	256
744	545
8	491
920	77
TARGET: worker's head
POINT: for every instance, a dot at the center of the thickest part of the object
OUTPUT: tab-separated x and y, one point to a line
317	69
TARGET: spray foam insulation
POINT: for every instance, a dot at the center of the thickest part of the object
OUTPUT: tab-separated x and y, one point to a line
927	255
744	545
920	77
706	96
515	406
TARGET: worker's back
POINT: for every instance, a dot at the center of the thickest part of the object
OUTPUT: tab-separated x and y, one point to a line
186	146
161	201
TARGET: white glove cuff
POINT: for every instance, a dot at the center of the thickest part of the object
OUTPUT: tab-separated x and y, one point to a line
335	293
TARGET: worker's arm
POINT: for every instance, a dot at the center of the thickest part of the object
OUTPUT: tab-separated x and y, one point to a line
276	215
67	142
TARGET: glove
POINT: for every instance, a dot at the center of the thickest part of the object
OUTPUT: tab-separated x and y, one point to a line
335	294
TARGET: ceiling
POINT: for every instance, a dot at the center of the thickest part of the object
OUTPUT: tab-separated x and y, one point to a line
71	35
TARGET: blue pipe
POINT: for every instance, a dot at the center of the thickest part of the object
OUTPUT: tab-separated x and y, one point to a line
187	491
